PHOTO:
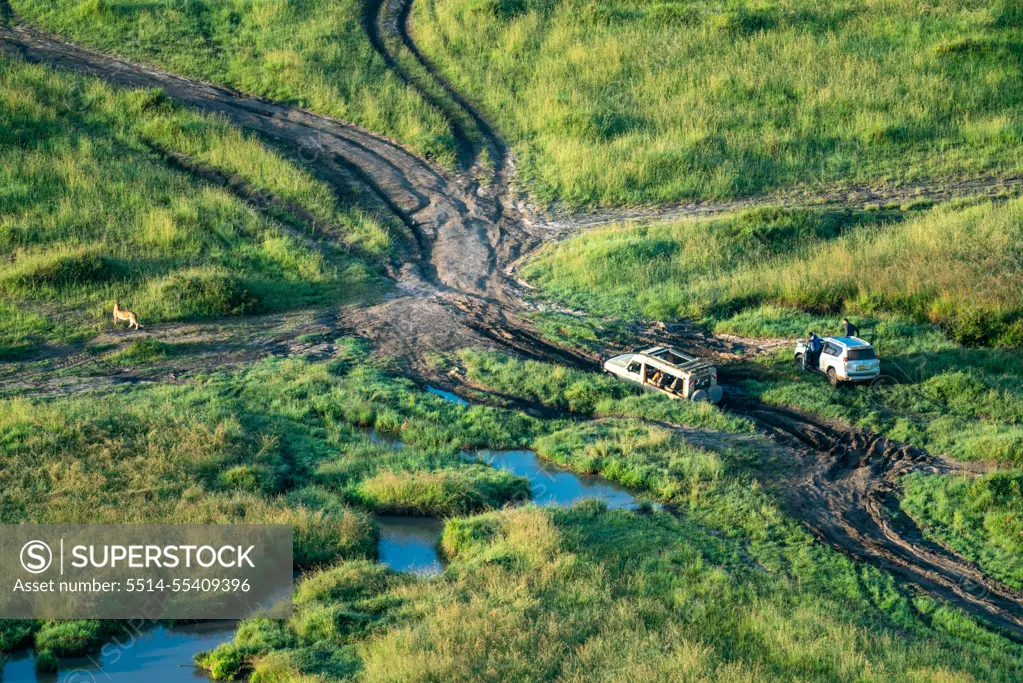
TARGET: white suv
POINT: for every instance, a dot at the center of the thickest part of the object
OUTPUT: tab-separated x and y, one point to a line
843	359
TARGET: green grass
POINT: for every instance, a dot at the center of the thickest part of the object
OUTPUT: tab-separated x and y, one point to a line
443	493
587	393
534	594
636	102
283	438
89	212
311	54
773	272
653	460
144	350
981	518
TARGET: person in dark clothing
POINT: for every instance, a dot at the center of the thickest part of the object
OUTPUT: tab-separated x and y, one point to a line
811	359
850	329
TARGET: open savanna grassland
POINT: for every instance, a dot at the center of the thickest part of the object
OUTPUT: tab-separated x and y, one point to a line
957	267
731	589
91	211
308	53
939	290
628	102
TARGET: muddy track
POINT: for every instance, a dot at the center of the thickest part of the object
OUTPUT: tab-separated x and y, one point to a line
456	292
371	18
395	17
848	494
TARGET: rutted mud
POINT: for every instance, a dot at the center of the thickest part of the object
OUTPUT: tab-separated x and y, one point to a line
847	496
458	290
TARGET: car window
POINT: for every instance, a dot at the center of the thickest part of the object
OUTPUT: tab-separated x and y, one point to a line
830	350
862	354
634	368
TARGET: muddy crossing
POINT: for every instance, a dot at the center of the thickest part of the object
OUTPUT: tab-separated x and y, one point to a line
458	289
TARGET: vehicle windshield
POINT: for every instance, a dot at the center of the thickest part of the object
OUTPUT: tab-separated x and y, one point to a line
862	354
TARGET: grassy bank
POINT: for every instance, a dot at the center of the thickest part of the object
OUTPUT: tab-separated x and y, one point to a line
776	272
90	212
557	594
633	102
980	518
312	54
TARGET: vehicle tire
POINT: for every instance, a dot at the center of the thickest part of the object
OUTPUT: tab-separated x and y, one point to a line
701	395
799	361
716	393
832	377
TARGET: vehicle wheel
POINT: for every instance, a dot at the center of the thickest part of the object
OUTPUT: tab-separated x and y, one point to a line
799	360
700	395
832	377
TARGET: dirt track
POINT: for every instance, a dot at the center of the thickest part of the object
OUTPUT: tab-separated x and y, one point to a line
457	290
847	496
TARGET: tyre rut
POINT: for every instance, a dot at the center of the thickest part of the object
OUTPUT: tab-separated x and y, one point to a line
847	495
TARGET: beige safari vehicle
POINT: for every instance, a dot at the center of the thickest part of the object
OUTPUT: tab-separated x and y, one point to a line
668	371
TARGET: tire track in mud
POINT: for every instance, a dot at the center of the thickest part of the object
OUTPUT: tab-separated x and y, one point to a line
371	20
395	17
464	238
442	210
846	496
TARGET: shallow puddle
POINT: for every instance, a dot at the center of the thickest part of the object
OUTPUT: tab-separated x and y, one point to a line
160	655
553	485
447	396
409	544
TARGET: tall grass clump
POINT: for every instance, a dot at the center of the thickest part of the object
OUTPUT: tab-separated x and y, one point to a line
777	272
643	102
442	493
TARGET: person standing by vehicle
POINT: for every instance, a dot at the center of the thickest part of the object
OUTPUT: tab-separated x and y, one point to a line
850	329
811	359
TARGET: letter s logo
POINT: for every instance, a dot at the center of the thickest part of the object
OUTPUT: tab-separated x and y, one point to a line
36	557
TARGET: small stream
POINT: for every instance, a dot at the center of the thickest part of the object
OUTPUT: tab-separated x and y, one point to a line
162	654
410	543
407	544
